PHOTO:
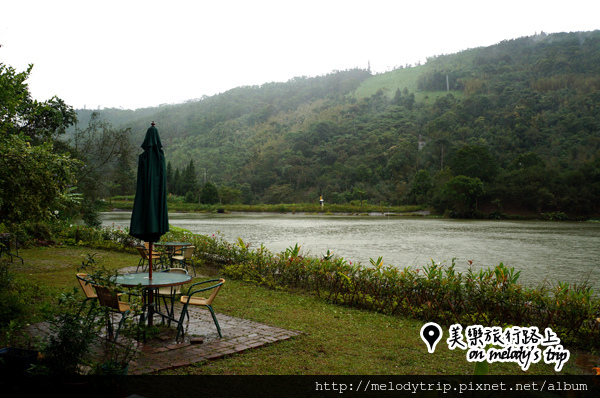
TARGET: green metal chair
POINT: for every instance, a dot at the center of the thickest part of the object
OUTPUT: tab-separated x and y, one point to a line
185	257
5	247
87	286
109	299
189	299
169	293
145	259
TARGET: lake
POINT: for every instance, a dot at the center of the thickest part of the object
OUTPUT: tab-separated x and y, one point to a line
565	251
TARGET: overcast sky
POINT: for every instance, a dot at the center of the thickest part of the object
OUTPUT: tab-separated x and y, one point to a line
135	54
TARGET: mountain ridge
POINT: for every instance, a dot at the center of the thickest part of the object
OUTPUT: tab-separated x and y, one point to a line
352	135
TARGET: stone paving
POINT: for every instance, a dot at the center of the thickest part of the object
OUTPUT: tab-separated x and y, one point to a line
201	340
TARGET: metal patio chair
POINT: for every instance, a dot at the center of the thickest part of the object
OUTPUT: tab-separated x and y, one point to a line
189	299
185	258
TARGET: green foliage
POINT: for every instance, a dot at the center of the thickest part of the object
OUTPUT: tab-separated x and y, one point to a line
420	187
73	329
474	161
91	217
33	177
519	115
12	305
461	194
209	194
109	238
436	292
107	157
117	354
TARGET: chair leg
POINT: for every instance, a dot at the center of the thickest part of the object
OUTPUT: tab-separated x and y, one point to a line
123	316
180	330
109	327
214	317
141	326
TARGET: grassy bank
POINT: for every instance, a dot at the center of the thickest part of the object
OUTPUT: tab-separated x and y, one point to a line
335	340
178	205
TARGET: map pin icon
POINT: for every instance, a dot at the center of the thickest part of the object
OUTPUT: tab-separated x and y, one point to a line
431	333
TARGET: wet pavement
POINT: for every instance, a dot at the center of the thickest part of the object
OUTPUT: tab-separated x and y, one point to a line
200	342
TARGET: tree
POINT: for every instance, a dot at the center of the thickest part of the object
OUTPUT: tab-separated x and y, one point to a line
176	183
210	194
526	160
420	187
189	181
33	178
123	176
527	188
38	122
246	194
169	178
99	147
229	195
474	161
461	194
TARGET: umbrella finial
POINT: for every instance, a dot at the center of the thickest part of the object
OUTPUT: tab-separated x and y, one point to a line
153	123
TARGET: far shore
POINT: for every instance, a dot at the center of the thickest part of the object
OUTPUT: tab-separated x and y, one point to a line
421	213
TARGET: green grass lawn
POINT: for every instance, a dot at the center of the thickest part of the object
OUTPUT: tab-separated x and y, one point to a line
336	340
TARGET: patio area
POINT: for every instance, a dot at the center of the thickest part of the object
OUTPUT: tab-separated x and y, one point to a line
201	341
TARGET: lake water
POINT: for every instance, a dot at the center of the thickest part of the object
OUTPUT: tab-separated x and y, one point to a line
564	251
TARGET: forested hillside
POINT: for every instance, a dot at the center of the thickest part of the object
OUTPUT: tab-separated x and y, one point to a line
513	127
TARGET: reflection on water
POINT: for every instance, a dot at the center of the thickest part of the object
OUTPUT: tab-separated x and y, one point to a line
557	251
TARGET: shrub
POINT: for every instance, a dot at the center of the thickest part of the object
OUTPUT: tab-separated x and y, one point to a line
435	293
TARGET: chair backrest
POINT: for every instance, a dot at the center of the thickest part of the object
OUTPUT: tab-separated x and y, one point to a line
215	291
189	252
178	270
177	289
86	285
107	297
143	252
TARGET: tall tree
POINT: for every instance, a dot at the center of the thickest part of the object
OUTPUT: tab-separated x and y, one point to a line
210	194
176	183
99	146
33	178
169	178
189	180
123	176
461	194
420	187
474	161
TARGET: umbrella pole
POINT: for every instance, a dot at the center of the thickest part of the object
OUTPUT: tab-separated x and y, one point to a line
150	291
150	253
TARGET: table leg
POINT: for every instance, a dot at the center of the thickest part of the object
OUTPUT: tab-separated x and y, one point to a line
172	313
150	307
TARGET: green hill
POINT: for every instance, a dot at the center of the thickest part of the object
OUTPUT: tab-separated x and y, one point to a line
520	120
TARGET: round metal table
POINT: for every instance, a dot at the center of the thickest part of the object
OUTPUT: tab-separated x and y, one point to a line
172	244
172	247
159	279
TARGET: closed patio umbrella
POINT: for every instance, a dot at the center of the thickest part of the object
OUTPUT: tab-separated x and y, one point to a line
149	218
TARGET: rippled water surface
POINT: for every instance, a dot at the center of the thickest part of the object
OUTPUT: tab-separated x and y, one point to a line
554	250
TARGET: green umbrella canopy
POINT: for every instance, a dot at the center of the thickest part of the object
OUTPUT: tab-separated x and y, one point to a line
149	218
